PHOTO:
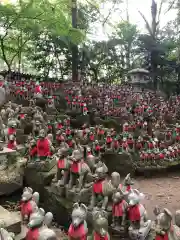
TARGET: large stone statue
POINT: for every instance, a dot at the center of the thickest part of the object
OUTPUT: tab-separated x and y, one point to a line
100	225
164	227
29	203
62	167
101	189
140	226
44	147
39	224
78	171
78	229
119	211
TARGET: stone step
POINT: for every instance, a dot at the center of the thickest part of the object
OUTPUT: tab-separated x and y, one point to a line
10	220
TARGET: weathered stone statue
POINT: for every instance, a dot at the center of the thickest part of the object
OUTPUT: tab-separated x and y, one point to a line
5	235
164	227
44	146
78	229
100	225
63	165
140	226
29	203
39	224
127	183
78	171
101	189
119	211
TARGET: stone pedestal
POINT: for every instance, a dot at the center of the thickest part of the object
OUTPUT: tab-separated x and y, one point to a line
115	232
42	166
10	220
83	196
58	190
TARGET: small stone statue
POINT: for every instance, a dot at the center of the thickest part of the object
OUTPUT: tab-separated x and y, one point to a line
78	171
39	224
100	225
44	147
126	186
78	229
62	167
140	226
119	211
164	228
29	203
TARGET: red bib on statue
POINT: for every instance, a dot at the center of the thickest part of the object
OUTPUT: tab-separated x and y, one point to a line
79	232
32	234
134	213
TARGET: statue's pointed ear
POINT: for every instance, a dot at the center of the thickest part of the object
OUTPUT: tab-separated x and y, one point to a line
156	211
83	207
168	213
30	190
136	192
41	211
76	205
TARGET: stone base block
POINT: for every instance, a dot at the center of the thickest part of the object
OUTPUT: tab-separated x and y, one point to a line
10	220
42	166
58	190
83	196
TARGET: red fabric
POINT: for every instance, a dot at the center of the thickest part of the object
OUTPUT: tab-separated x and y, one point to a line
11	131
38	89
128	188
22	116
98	187
75	167
159	237
108	140
97	148
61	164
161	156
134	213
59	126
26	208
11	144
97	236
77	233
91	137
32	234
33	151
43	148
117	209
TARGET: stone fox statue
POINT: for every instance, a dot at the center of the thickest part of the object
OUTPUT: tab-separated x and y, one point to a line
38	225
29	203
78	229
100	225
164	228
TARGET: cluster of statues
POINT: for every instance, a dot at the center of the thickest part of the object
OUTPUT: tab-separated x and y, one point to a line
129	218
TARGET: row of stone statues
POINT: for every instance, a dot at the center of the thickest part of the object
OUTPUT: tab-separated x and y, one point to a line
129	215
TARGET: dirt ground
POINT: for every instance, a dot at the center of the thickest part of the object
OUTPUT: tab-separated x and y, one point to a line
163	191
